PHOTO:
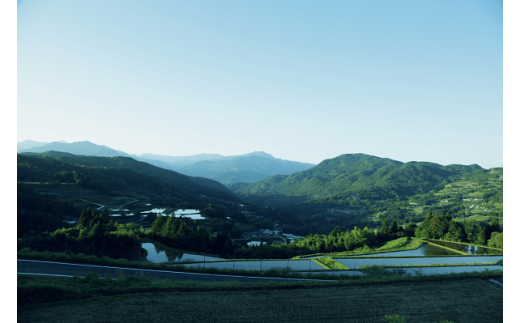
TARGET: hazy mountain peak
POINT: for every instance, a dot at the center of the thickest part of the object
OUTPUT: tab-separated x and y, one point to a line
28	144
259	153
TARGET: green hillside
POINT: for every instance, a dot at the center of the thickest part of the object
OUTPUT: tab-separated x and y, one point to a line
359	189
370	176
191	185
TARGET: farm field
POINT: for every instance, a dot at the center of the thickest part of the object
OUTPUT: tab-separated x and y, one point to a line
457	301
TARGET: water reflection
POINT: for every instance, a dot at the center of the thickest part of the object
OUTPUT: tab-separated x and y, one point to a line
472	250
158	255
424	250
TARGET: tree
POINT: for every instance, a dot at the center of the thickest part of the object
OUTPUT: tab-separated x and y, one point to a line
393	227
496	240
384	227
456	232
424	230
84	219
410	229
436	227
158	224
493	226
480	237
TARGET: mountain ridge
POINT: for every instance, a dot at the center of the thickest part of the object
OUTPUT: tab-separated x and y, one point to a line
357	172
212	166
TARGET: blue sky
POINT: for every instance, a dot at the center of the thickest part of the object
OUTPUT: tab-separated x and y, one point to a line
301	80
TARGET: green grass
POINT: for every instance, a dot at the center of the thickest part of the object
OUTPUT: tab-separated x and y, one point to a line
397	243
330	263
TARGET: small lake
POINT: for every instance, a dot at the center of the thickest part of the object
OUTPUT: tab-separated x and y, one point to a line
158	255
449	270
394	261
472	250
266	264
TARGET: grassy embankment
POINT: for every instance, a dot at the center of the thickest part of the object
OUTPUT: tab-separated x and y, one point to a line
330	263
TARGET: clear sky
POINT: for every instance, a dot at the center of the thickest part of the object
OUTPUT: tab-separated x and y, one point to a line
301	80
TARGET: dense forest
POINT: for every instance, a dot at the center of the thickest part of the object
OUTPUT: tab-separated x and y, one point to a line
433	227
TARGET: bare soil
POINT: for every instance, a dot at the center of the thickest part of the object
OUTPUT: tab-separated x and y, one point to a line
459	301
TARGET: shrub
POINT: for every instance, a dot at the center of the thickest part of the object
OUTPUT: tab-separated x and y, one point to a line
376	271
91	278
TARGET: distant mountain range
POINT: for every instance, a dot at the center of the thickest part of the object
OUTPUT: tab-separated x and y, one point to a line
227	170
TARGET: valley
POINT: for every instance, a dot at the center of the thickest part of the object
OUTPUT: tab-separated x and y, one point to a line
355	216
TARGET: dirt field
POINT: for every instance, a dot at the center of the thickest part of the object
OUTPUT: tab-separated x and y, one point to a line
463	301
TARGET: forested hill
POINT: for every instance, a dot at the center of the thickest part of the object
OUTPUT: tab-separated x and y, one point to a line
187	184
368	177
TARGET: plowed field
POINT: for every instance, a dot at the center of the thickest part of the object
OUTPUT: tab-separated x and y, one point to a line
458	301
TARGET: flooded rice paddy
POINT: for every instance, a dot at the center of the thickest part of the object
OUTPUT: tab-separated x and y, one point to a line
469	249
158	255
394	261
262	264
423	251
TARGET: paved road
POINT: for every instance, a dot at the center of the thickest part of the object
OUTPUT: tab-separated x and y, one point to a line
65	269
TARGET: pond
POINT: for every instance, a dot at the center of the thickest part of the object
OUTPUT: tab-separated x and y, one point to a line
448	270
389	261
265	264
158	255
472	250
